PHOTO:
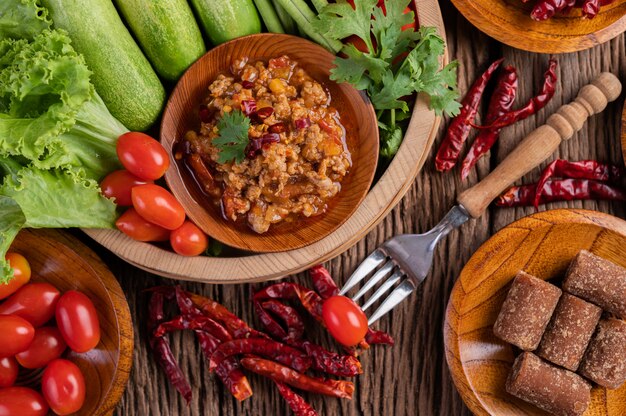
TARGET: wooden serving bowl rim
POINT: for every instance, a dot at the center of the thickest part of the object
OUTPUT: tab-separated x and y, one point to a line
528	243
509	22
100	278
355	109
383	196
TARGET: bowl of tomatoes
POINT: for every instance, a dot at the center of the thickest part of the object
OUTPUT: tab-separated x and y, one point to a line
67	335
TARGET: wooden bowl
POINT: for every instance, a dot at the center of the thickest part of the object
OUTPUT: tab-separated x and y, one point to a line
63	261
543	245
508	21
357	116
383	196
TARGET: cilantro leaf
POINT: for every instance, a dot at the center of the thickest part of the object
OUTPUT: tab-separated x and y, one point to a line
358	69
387	26
339	20
233	137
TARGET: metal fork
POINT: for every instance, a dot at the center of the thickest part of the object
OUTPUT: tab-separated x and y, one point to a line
406	259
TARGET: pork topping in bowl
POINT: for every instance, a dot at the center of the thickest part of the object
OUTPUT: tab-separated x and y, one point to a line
270	147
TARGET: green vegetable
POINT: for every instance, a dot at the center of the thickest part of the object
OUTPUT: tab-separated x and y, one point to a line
304	17
270	18
288	23
17	19
319	4
382	70
167	33
57	139
233	138
226	20
121	73
215	248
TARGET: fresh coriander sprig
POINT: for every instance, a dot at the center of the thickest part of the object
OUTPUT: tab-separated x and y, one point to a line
233	137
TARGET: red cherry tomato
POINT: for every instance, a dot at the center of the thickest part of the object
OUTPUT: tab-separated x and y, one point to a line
22	401
34	302
21	274
118	185
78	321
142	155
8	371
63	387
345	320
16	334
189	240
136	227
157	205
47	345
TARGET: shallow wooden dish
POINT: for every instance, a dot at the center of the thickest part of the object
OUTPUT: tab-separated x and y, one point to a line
383	196
542	244
357	116
63	261
508	21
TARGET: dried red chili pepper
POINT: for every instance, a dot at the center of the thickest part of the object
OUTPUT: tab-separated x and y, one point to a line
286	290
162	351
378	337
534	104
336	388
296	403
591	8
501	102
545	9
460	127
277	351
269	324
192	323
323	282
289	316
584	169
561	190
330	362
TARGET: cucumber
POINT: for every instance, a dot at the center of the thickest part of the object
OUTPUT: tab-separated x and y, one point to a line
121	73
167	33
224	20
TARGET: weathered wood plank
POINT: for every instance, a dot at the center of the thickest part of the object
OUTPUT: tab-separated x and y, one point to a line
412	377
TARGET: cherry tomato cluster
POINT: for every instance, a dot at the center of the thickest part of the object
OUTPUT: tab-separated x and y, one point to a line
154	214
31	341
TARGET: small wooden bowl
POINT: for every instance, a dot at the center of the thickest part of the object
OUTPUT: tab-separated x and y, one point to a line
357	116
63	261
543	245
509	22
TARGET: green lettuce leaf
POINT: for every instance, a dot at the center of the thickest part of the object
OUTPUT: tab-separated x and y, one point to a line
22	19
11	221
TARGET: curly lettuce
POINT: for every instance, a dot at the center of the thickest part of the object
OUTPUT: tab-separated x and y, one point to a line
22	19
57	138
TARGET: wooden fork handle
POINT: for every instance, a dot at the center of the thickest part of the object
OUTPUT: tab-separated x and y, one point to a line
542	142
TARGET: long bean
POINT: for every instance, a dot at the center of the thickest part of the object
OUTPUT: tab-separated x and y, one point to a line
288	23
270	18
303	15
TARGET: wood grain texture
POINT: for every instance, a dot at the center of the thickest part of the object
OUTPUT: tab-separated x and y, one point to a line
412	378
543	245
623	133
509	22
389	189
63	261
357	116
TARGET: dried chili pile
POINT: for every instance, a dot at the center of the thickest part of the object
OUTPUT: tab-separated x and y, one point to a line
500	114
546	9
563	180
281	353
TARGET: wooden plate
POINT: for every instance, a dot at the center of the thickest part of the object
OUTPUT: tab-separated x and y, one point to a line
509	22
63	261
542	244
387	192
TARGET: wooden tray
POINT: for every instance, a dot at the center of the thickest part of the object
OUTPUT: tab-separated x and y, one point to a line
61	260
508	21
542	244
387	192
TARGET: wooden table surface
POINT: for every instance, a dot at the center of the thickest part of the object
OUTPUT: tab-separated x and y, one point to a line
412	377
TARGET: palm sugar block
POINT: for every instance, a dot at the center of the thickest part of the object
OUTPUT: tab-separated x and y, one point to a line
551	388
569	331
598	281
526	311
605	359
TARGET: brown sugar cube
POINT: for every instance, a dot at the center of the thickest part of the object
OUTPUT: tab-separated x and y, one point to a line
598	281
526	311
605	359
569	331
548	387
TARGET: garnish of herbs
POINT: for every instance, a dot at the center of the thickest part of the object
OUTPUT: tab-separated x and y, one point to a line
233	137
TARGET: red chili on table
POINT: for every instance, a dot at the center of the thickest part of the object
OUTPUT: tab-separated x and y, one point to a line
460	127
